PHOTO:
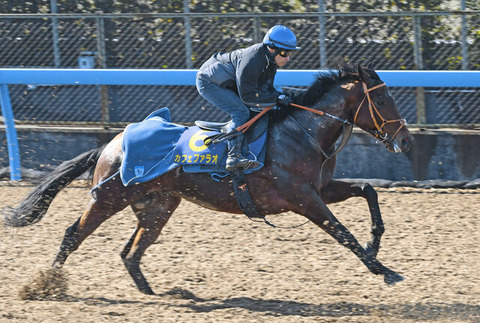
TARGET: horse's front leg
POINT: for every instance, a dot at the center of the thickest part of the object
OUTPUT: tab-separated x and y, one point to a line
338	191
316	210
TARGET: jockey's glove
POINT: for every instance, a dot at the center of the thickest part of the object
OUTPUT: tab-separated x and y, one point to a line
284	100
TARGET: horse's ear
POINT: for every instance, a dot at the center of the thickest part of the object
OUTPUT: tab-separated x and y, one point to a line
364	76
371	71
343	70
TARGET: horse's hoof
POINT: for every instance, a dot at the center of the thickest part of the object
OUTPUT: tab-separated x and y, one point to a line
147	291
393	278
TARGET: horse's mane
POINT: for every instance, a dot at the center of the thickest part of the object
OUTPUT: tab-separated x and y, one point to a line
325	81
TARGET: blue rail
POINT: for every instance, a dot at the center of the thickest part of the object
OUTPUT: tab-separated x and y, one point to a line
186	77
12	140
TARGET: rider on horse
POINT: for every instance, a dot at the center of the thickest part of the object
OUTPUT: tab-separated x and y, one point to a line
243	78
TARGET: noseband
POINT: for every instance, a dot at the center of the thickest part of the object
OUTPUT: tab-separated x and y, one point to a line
374	114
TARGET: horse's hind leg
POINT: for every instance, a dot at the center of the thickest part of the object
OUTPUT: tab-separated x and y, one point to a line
338	191
153	212
96	213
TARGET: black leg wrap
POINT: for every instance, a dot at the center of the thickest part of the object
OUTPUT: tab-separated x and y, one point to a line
69	244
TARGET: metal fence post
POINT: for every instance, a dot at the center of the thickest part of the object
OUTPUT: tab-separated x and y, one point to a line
56	48
188	38
101	48
256	30
465	60
417	52
321	25
102	61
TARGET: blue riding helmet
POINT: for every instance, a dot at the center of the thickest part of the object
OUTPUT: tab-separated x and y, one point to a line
281	37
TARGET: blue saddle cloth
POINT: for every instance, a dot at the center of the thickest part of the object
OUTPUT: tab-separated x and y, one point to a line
156	145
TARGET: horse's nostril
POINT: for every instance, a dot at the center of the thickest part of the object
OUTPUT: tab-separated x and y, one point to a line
406	143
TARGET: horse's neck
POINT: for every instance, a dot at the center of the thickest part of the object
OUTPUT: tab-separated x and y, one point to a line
302	143
312	137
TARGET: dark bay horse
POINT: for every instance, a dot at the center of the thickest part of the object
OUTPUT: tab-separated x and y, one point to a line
297	175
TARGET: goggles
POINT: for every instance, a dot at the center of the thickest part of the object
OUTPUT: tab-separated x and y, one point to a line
285	53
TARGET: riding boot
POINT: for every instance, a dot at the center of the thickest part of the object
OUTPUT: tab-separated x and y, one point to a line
235	159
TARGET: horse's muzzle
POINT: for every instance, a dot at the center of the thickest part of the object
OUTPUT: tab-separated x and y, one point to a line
398	146
406	143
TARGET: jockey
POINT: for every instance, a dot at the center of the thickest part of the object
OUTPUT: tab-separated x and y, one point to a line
243	78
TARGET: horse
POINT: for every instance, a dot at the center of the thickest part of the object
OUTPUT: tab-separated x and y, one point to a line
297	175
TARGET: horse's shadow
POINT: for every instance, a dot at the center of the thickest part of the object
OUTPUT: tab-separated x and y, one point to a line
276	308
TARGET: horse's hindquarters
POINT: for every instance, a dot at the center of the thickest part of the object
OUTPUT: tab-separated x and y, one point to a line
109	161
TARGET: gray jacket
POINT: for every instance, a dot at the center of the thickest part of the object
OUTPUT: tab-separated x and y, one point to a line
249	72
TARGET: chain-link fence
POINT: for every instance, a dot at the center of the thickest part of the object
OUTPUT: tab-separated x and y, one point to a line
391	41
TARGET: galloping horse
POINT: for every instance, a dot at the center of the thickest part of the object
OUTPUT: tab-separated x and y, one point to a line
297	175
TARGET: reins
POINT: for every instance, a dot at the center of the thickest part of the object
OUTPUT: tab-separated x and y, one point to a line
321	113
232	134
244	127
379	133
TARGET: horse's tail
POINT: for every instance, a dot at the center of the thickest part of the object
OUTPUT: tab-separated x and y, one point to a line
32	208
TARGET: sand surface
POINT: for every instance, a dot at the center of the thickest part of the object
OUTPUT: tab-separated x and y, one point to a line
217	267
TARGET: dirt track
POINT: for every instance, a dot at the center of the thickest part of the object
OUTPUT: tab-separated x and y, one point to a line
215	267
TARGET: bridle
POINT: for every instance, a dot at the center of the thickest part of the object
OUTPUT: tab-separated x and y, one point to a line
379	133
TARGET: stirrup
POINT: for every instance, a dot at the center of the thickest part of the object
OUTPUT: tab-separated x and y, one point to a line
241	162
